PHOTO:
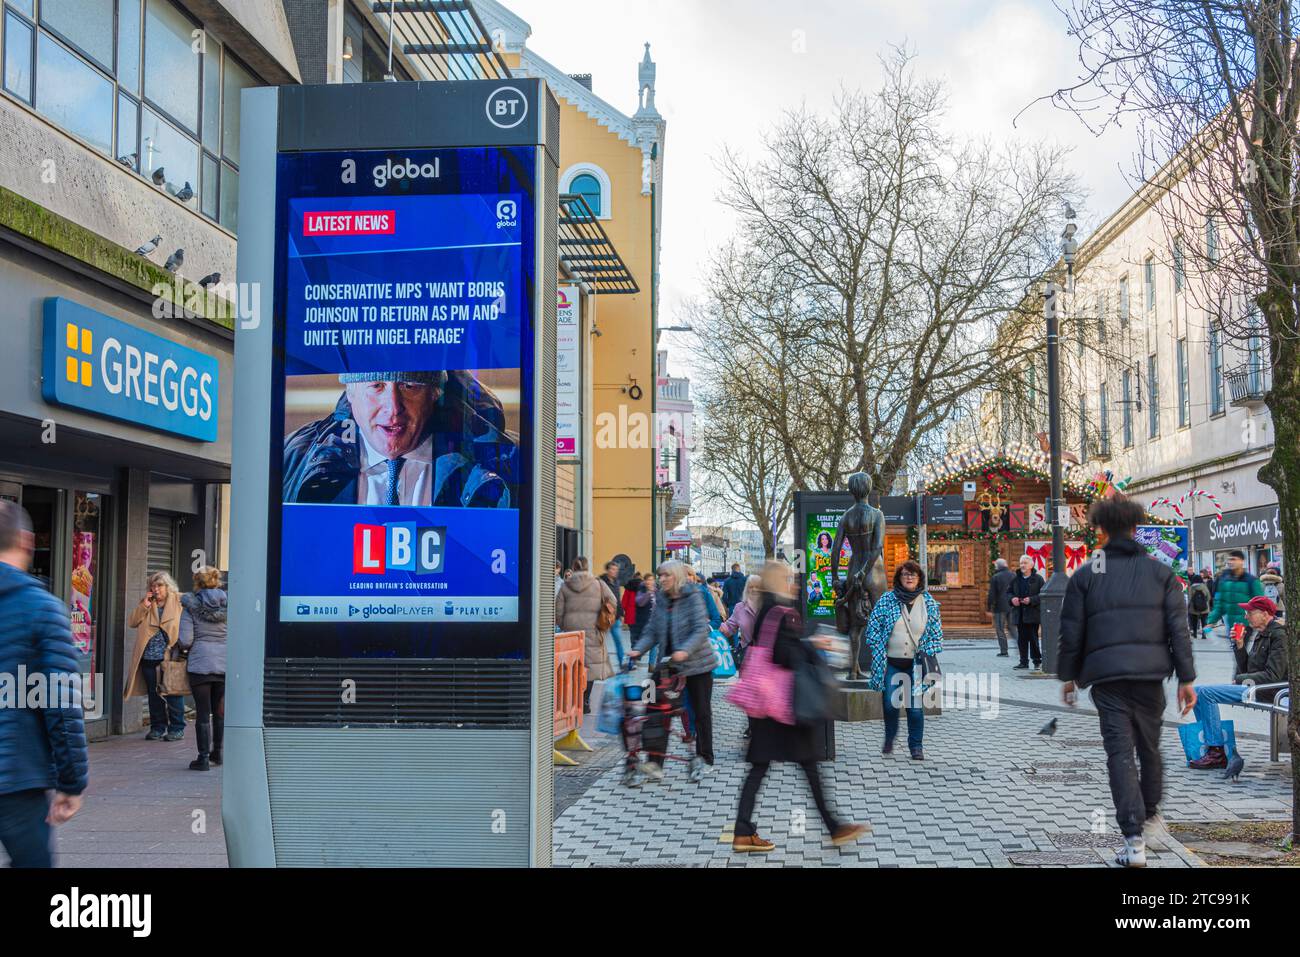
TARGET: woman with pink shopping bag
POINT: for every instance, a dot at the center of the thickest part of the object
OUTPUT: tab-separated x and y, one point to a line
765	692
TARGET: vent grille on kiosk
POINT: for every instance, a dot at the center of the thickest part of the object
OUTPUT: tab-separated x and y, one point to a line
470	693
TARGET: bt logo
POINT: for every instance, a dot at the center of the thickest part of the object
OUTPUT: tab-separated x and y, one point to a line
397	546
507	107
507	214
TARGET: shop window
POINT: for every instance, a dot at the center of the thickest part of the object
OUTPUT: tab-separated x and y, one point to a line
944	565
171	70
73	94
86	24
84	607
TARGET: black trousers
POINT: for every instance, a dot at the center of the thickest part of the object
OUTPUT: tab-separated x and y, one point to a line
699	689
209	705
1027	640
1130	713
749	796
1196	623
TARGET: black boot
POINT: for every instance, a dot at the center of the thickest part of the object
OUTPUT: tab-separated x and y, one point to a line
218	734
203	734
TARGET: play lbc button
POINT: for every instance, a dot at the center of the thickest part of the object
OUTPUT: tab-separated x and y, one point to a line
507	107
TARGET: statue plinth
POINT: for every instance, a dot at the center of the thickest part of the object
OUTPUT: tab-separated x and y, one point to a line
852	701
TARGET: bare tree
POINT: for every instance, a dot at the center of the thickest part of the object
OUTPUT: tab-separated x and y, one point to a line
1214	87
857	309
742	467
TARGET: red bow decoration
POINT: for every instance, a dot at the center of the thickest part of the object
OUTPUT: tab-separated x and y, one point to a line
1075	555
1041	555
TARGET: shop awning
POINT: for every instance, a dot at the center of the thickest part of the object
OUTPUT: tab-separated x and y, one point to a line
586	254
444	39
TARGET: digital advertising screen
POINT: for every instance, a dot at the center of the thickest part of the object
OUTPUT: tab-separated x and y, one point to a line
406	284
819	592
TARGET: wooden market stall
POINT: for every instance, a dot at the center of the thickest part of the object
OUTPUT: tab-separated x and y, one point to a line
1006	516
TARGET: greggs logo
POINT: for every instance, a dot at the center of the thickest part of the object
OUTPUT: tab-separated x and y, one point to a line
368	223
397	547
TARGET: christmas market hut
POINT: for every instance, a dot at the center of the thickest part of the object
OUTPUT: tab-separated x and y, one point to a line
1003	514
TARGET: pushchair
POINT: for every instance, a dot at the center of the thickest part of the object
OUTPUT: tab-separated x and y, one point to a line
648	722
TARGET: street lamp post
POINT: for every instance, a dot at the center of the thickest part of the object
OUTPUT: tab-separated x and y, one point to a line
1052	598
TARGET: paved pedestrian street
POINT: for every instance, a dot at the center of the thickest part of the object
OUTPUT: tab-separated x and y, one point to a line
991	792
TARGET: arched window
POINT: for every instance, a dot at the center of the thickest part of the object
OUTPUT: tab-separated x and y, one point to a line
588	187
591	183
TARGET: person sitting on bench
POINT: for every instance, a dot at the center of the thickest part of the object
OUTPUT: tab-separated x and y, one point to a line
1261	660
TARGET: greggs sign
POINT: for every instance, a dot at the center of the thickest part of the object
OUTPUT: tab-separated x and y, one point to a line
107	367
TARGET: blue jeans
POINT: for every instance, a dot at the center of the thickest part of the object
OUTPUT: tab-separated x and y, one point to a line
1208	699
23	832
899	688
616	632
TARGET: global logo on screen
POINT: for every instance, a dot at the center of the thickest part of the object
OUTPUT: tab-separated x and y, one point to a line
398	547
507	214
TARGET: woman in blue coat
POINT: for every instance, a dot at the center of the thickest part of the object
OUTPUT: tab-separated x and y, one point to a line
904	630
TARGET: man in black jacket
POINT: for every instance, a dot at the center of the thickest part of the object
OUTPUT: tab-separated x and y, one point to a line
1000	604
1023	597
1123	632
1261	659
42	740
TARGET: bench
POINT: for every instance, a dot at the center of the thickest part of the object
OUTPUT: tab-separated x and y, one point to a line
1277	710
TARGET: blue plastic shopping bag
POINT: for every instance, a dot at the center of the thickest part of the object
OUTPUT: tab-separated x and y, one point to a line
722	648
610	718
1193	738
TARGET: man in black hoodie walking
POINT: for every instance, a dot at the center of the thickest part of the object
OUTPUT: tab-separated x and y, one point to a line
1123	632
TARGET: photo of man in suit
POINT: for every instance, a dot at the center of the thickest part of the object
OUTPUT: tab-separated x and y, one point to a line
405	438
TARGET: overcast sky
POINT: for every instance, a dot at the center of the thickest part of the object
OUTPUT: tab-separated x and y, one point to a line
727	68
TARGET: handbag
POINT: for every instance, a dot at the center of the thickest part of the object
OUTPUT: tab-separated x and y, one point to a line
173	675
606	617
813	686
765	689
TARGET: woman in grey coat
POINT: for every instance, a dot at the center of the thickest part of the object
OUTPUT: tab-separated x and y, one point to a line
679	627
203	634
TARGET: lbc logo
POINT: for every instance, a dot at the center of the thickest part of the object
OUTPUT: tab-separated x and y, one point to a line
397	547
507	107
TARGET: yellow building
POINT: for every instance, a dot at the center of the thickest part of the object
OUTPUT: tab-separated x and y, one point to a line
606	491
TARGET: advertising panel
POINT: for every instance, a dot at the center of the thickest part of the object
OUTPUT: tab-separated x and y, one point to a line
1167	544
819	592
403	391
568	374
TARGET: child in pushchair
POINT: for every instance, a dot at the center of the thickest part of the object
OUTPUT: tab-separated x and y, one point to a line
649	709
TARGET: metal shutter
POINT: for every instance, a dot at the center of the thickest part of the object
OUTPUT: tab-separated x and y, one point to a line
162	543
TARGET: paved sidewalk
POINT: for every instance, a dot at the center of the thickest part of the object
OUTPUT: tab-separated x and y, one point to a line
145	808
991	792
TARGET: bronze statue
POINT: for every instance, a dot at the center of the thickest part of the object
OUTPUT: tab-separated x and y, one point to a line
864	527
